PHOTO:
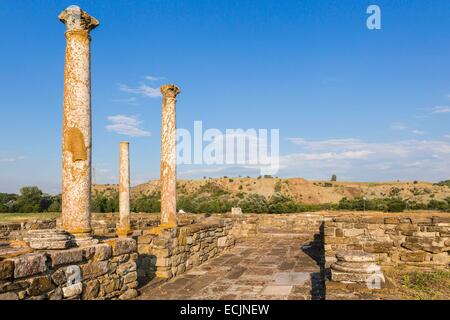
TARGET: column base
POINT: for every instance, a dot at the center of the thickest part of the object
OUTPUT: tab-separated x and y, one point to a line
48	239
84	239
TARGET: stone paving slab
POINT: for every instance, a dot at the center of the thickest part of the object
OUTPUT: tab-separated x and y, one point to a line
273	267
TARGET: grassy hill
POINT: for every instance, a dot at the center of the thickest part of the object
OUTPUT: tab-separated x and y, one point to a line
301	190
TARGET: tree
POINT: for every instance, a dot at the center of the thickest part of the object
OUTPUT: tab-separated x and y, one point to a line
333	177
29	199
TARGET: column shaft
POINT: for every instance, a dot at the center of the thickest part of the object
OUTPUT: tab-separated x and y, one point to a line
77	140
168	156
123	228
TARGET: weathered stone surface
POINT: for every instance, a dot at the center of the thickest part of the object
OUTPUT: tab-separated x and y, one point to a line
130	277
40	285
98	252
355	257
9	296
94	269
91	290
59	277
126	268
354	277
122	246
6	269
51	239
413	256
129	294
72	290
56	294
222	242
63	257
29	264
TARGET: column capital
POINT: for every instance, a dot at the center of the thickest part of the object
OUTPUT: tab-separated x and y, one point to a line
76	19
170	90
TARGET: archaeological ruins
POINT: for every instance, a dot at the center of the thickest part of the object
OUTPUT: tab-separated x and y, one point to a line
323	255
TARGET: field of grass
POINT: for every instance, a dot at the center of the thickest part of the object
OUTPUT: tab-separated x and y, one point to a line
6	217
427	285
421	285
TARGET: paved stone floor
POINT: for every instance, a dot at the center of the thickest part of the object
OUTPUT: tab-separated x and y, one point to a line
271	266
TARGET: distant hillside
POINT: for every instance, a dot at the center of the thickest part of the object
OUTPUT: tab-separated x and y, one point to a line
297	189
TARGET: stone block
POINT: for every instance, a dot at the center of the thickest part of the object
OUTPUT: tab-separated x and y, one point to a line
9	296
94	269
91	290
97	252
130	277
6	269
329	232
126	268
72	290
129	294
63	257
353	232
17	285
222	242
40	285
122	245
413	256
391	220
29	264
378	247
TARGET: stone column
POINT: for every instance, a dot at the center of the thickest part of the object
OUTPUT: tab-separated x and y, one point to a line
123	229
168	156
76	148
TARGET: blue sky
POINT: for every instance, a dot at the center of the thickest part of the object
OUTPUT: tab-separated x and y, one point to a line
368	105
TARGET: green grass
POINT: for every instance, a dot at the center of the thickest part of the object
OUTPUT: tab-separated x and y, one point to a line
7	217
427	285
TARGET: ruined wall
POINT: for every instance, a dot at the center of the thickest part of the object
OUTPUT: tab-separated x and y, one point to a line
103	271
102	224
12	230
413	240
249	225
168	252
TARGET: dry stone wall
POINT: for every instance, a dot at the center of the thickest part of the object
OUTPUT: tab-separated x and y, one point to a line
168	252
415	241
102	271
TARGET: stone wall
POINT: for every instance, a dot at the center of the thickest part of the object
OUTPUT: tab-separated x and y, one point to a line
168	252
12	230
102	224
306	224
413	240
103	271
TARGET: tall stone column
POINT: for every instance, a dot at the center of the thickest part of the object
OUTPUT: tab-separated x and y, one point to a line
123	229
168	156
77	141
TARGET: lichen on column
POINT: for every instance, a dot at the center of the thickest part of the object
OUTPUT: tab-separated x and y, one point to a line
123	229
168	156
77	140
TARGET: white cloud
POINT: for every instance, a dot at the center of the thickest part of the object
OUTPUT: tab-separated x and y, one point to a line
143	90
126	125
12	159
153	78
441	109
398	126
130	101
447	136
418	132
407	159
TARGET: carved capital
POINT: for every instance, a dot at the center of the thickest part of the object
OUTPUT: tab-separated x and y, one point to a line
76	19
170	91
